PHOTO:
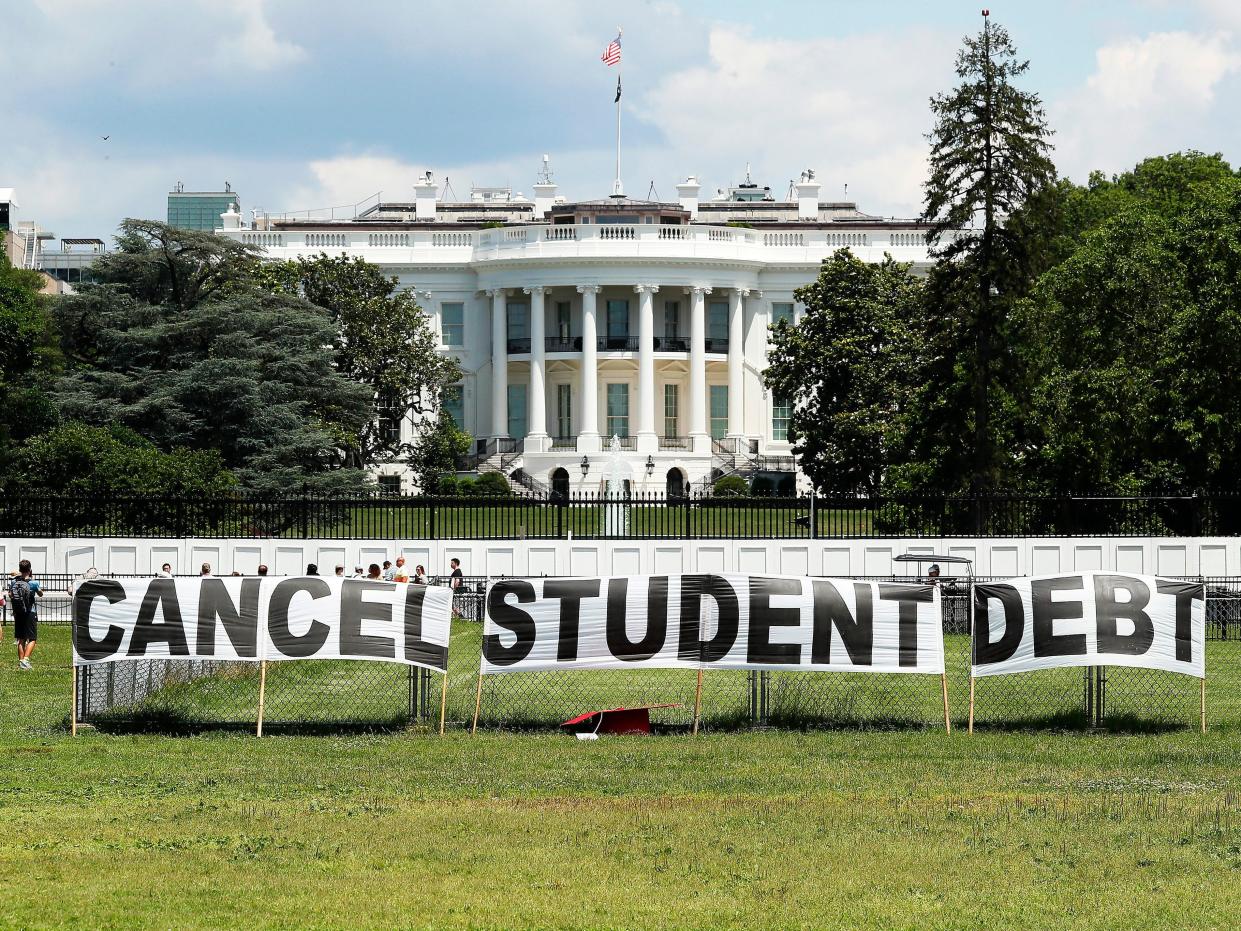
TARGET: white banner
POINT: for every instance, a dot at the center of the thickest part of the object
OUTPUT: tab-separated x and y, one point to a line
256	619
722	621
1089	619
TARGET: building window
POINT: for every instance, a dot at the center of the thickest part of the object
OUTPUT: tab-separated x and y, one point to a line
781	415
452	324
672	410
564	410
781	311
518	321
517	419
390	484
453	403
618	319
390	416
618	410
719	411
717	320
562	321
672	319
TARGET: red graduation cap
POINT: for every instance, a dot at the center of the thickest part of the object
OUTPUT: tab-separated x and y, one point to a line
614	721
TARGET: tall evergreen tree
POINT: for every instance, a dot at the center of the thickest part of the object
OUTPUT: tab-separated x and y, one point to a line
989	156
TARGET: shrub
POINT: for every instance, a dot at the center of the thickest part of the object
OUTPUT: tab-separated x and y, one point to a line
731	486
492	485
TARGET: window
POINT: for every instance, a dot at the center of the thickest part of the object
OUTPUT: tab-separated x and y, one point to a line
391	413
618	410
453	404
719	411
672	409
518	321
781	414
717	320
390	484
517	419
564	410
781	311
672	319
562	320
618	319
452	325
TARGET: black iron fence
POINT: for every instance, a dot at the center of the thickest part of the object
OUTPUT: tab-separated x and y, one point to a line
637	516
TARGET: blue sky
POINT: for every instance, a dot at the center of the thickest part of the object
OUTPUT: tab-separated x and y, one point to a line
304	104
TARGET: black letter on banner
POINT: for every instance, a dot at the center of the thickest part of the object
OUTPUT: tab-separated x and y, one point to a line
763	617
242	626
283	639
830	610
160	592
1108	610
1186	594
418	650
86	645
692	647
511	618
619	644
1046	611
570	594
909	597
353	611
985	651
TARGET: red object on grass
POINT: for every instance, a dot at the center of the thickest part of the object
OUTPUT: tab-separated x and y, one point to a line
615	720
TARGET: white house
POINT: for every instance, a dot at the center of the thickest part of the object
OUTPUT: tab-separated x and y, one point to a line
577	322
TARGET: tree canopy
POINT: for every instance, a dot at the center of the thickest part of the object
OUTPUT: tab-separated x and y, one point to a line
179	340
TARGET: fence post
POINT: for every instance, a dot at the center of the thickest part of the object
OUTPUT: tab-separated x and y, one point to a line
412	700
431	518
814	517
305	508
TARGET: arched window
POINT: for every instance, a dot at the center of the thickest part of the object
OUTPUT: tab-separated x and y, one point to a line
560	484
675	487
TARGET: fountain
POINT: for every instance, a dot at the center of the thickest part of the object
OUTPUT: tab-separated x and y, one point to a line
615	474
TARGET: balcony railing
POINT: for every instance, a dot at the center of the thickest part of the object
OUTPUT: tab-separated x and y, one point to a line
563	343
671	344
618	344
674	442
560	443
519	346
717	345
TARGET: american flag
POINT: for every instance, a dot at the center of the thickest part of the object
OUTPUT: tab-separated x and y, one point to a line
611	54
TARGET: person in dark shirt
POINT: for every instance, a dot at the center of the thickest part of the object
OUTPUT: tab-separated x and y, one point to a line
457	578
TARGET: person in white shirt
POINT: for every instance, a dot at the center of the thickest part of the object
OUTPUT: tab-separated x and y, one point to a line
165	571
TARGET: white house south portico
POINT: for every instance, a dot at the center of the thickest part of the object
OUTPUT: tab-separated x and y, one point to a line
574	323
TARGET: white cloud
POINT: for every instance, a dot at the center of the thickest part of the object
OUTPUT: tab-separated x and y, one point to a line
257	47
1147	96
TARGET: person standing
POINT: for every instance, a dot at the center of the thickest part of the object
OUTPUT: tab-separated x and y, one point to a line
457	578
399	572
420	575
312	569
22	591
262	569
206	570
388	570
165	571
372	572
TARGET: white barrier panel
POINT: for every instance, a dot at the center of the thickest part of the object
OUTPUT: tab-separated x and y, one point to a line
712	621
1089	619
259	619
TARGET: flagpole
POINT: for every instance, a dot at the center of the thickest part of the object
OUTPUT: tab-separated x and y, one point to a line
617	189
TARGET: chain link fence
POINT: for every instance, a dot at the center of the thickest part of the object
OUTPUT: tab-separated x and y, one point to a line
335	694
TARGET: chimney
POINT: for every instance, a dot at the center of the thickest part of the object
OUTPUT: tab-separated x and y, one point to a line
687	194
544	198
231	217
426	194
807	196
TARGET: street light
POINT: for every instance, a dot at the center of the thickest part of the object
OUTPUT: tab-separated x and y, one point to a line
650	466
585	465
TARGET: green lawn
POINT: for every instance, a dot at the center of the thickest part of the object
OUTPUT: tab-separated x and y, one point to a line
903	827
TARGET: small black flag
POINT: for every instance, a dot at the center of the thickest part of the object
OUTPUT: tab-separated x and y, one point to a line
617	100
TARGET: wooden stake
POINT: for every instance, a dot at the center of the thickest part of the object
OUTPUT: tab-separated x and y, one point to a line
943	682
971	729
73	708
443	701
697	702
258	731
478	703
1202	701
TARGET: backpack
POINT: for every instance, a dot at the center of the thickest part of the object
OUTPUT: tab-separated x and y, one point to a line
21	596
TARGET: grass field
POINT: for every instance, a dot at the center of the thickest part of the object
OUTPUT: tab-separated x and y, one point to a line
895	828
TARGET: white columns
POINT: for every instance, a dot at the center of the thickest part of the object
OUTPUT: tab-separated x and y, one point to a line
433	312
499	362
536	405
736	355
699	436
647	441
588	418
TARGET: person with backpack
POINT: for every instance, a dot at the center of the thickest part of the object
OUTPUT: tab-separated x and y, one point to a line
22	590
